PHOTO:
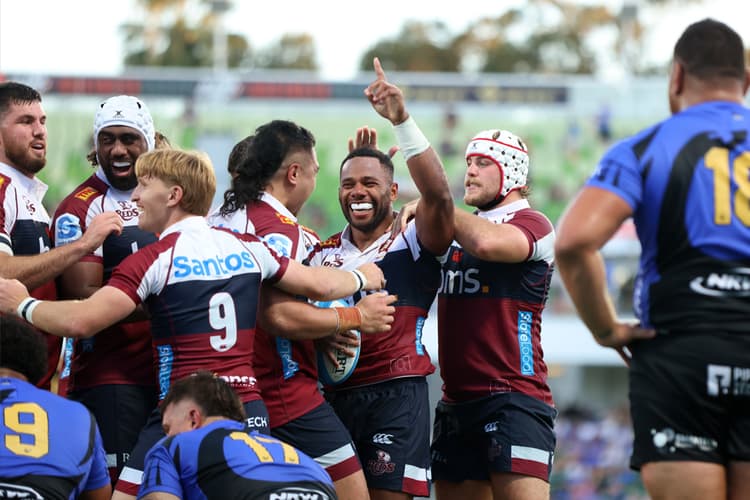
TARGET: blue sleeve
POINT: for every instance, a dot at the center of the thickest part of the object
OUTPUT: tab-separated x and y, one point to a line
619	172
160	473
99	475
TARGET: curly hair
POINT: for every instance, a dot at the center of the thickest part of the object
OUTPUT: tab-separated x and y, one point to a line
22	348
270	145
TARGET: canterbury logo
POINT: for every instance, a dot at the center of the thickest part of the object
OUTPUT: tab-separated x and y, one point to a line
381	438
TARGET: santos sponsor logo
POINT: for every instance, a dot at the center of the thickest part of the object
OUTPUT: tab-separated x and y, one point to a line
462	281
293	493
220	265
735	283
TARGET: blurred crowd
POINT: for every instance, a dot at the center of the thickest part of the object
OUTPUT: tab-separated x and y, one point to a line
592	456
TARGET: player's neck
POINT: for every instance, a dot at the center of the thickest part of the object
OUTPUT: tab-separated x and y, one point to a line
363	239
8	373
697	92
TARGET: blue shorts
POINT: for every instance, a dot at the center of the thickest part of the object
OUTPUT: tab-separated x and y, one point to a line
508	432
690	398
120	412
132	474
320	434
390	425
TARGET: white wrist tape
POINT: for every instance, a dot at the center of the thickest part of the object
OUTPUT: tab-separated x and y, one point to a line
411	140
361	279
26	307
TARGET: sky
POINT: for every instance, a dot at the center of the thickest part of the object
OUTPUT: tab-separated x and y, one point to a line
81	37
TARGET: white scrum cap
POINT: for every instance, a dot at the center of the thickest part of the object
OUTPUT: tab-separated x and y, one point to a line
128	111
509	153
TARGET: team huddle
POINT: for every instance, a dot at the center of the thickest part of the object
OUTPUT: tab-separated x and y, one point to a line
232	353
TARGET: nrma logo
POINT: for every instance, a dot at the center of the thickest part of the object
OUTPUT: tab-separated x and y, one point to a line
460	281
220	265
735	283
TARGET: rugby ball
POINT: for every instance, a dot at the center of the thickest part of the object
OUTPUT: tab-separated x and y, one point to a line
329	373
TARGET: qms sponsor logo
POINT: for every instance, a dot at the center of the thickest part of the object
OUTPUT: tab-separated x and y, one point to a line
219	265
460	281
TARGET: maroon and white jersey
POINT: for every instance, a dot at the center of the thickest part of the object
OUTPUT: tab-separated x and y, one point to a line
120	354
201	287
287	370
413	274
24	230
490	314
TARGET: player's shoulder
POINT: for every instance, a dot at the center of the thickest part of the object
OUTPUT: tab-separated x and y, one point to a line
333	241
232	235
5	183
53	405
536	216
83	195
267	219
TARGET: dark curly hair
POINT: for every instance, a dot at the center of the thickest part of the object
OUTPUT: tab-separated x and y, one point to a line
270	145
22	348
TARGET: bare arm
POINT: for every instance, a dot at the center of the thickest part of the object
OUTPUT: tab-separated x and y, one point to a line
69	318
80	280
589	222
103	493
435	209
281	314
36	270
326	283
488	241
158	495
83	279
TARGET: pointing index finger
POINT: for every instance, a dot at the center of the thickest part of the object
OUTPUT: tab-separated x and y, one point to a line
378	69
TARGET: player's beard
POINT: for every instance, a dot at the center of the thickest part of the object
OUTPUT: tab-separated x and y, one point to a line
381	210
122	183
24	161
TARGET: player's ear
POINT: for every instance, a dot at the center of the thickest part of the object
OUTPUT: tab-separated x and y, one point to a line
292	172
175	195
676	78
195	418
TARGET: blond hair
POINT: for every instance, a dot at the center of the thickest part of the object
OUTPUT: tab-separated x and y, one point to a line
191	170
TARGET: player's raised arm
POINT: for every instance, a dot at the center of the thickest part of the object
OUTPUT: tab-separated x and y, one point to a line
435	210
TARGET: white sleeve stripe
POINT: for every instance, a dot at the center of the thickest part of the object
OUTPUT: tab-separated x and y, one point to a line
544	248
